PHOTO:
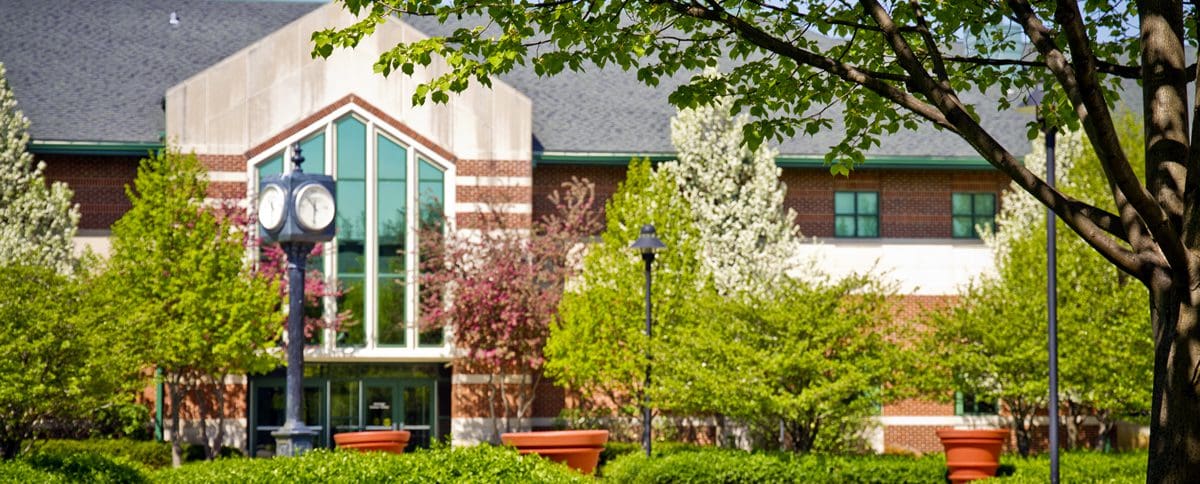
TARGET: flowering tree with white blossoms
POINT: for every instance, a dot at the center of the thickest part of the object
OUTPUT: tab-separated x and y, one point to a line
37	222
737	199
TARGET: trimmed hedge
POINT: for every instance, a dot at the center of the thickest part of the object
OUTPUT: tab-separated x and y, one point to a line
482	464
712	465
1086	467
145	452
81	467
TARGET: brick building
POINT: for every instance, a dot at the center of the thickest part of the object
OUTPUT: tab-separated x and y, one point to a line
234	83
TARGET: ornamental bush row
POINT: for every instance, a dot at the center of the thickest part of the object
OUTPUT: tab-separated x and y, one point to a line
479	464
711	465
1086	467
696	465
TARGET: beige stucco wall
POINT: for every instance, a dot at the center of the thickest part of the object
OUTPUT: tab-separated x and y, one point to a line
263	89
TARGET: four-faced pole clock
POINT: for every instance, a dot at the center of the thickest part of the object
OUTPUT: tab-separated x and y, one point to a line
297	210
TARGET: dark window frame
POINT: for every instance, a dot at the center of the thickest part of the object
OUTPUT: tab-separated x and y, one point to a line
855	215
975	216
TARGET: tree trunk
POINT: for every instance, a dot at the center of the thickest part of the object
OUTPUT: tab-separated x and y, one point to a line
176	444
218	439
1174	414
1104	435
1075	419
1019	418
10	448
202	405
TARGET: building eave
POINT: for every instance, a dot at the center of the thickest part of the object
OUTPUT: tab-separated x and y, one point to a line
103	148
784	161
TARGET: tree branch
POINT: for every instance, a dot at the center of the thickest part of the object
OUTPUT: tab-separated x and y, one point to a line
845	71
1125	72
1073	212
939	65
1097	120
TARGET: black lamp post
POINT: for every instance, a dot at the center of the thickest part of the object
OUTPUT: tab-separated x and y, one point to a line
1049	130
297	210
648	244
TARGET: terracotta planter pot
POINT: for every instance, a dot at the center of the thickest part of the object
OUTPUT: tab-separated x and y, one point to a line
578	449
393	441
972	454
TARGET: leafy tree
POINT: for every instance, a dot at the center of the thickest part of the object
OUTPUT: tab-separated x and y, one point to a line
749	238
58	359
997	346
892	67
810	360
597	346
499	286
37	222
180	274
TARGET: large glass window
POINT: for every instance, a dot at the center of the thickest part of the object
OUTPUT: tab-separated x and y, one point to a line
351	175
392	224
970	211
378	178
431	195
856	214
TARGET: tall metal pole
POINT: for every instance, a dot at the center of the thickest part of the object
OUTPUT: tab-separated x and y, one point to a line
649	258
1052	309
294	438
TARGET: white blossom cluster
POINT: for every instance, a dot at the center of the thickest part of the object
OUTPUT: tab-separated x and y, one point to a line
37	222
748	238
1019	211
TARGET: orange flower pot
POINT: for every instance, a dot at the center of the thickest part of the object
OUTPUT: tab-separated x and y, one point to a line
578	449
972	454
393	441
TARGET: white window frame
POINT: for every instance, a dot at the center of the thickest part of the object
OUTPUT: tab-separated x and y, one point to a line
414	151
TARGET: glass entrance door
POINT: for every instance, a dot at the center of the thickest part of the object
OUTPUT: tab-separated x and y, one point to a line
400	405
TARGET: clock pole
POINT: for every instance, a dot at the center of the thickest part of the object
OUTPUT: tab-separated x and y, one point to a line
297	239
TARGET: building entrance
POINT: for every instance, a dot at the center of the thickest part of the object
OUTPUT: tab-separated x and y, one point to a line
353	397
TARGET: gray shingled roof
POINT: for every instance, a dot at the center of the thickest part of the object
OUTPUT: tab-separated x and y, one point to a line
101	72
98	71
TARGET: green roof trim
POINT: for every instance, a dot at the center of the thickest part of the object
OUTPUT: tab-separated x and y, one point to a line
784	161
110	148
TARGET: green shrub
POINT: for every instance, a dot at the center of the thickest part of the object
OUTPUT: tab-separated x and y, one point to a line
87	467
145	452
20	471
465	464
1085	467
703	465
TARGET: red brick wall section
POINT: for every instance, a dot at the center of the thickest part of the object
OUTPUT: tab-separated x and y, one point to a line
98	182
918	439
471	400
548	178
236	163
913	203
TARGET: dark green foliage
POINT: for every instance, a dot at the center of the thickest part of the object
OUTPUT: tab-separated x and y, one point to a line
712	465
144	452
1078	467
483	464
21	471
85	467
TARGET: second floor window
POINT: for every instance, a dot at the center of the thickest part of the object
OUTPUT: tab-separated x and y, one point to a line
970	212
856	214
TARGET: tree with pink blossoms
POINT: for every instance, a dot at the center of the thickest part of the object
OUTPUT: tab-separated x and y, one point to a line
497	285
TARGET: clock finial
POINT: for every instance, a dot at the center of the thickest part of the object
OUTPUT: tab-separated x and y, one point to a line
297	158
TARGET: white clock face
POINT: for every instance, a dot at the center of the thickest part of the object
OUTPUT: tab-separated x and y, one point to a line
271	207
314	208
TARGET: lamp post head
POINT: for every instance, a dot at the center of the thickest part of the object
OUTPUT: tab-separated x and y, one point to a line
297	158
647	242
